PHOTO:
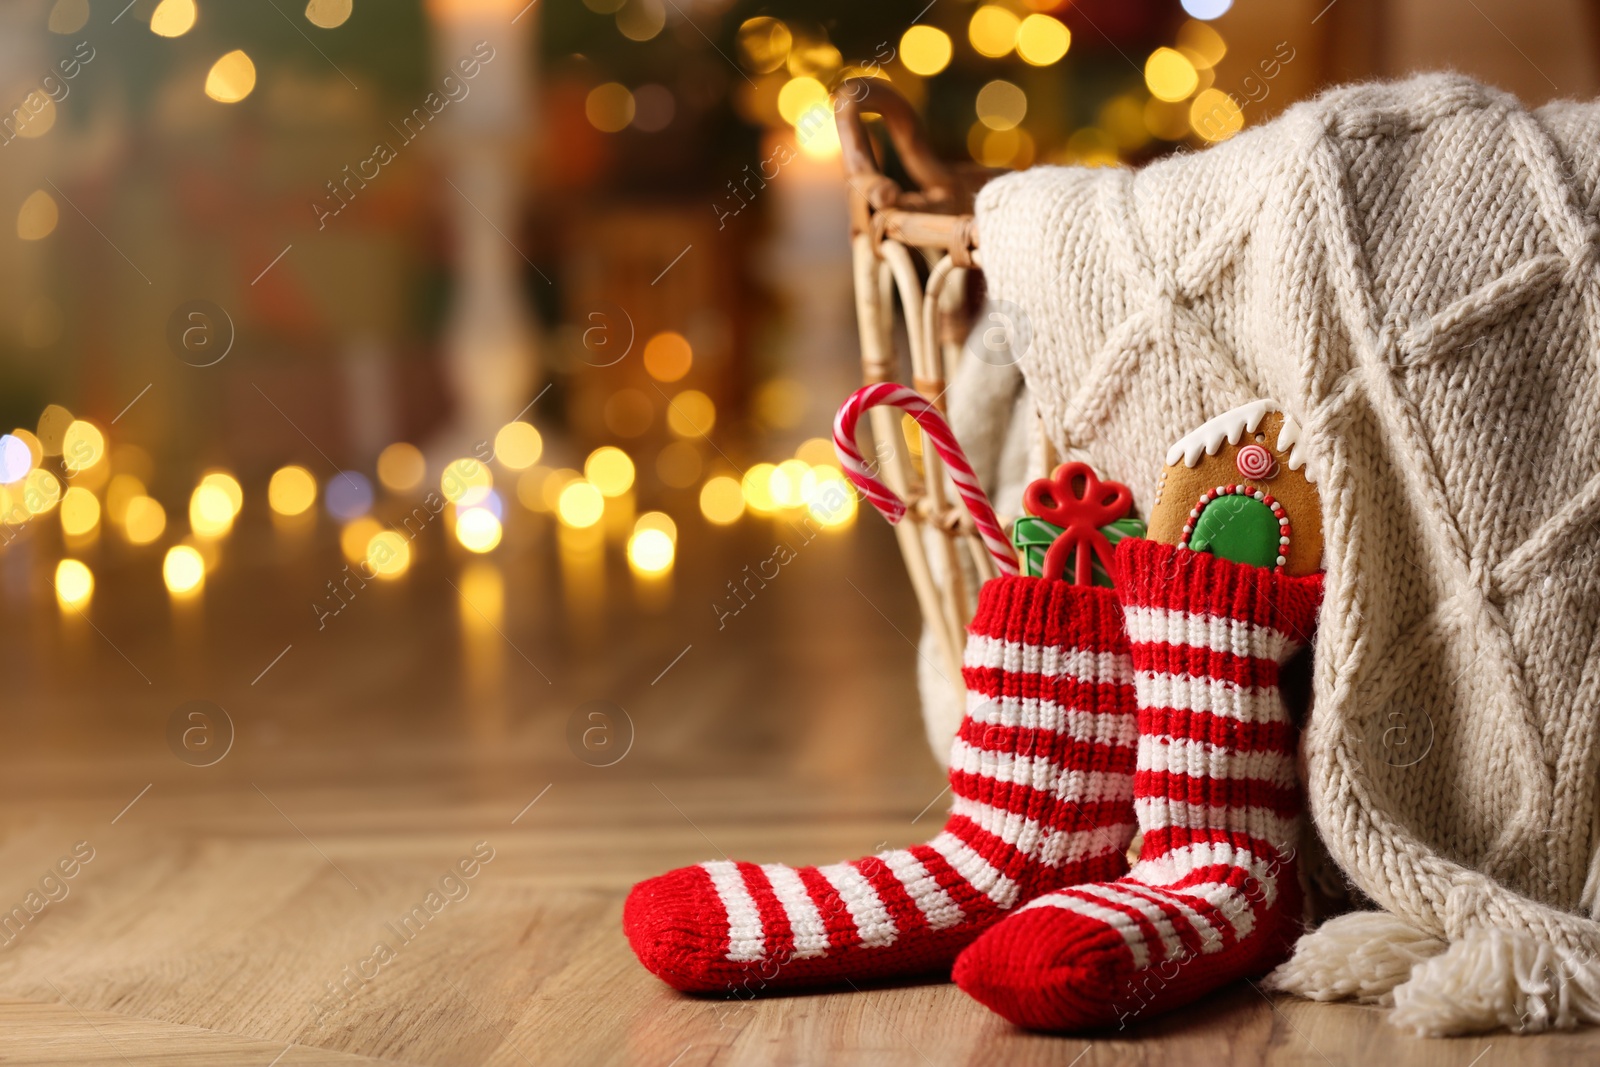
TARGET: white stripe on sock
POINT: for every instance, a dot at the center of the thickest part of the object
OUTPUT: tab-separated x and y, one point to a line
1159	813
1201	759
935	904
1037	773
1214	696
1104	727
746	939
865	906
805	922
1016	657
1208	933
1121	922
1218	633
978	872
1155	913
1051	848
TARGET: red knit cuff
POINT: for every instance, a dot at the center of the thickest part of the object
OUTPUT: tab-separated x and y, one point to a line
1154	575
1049	612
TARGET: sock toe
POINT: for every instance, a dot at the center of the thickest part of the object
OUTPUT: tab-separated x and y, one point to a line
678	929
1048	968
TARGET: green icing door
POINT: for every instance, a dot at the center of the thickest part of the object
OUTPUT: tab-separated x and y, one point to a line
1237	528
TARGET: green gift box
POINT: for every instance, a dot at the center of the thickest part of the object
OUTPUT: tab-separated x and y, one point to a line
1032	538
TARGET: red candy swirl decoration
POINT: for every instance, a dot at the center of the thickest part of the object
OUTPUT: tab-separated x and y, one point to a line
1254	461
1075	499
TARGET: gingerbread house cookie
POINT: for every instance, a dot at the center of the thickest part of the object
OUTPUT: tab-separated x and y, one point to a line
1243	487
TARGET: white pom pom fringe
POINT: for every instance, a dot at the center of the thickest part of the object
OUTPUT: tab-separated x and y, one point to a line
1495	978
1364	955
1486	980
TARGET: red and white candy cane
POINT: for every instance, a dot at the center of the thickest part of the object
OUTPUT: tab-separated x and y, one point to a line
944	442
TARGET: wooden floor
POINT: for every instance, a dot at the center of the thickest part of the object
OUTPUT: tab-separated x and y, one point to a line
229	913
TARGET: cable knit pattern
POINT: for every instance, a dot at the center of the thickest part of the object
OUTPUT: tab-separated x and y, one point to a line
1411	268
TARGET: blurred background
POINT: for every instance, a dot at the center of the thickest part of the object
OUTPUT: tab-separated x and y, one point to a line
567	265
413	430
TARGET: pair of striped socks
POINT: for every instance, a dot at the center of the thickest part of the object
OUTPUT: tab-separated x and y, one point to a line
1092	714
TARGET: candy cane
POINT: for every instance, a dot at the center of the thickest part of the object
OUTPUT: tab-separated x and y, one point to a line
944	442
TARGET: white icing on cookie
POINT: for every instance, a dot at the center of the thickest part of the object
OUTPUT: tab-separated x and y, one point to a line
1231	426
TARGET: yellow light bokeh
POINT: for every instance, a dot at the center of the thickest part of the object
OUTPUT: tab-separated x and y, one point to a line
817	452
784	483
40	491
144	521
122	490
68	16
231	78
357	535
817	133
679	464
80	512
657	520
1042	40
291	491
173	18
757	489
993	31
478	530
388	554
994	148
833	506
183	570
650	551
798	96
609	107
210	510
722	500
580	505
82	446
667	356
52	428
328	14
39	115
1201	43
1215	116
609	470
925	50
1001	105
1169	75
691	414
401	467
37	217
466	482
554	482
642	20
763	44
74	584
35	449
228	484
518	446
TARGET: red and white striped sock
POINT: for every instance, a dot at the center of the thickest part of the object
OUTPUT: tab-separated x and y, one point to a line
1215	895
1042	777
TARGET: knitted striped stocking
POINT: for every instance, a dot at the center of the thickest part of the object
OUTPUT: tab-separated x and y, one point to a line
1042	777
1215	894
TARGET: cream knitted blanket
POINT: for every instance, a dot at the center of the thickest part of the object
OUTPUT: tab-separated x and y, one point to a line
1411	269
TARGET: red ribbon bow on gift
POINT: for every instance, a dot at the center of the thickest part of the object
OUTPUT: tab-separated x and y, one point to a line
1075	499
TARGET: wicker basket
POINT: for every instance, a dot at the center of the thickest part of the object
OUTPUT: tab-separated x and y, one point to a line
920	248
